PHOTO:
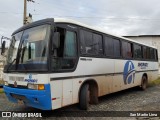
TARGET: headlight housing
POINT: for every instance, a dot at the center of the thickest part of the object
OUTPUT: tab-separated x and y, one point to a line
36	86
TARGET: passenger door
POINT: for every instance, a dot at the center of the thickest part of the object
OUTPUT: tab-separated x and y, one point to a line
63	62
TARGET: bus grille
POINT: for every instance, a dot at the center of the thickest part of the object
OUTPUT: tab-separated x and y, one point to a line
18	86
13	78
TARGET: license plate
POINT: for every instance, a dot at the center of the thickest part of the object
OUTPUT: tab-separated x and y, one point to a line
20	102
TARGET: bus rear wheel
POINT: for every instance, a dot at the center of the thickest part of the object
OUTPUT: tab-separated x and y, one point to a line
144	83
84	97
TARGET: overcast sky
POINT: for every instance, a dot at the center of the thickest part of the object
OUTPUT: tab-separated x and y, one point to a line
120	17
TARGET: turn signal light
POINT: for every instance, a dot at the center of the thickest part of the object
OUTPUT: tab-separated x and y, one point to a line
40	87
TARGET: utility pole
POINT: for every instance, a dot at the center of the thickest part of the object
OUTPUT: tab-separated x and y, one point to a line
25	12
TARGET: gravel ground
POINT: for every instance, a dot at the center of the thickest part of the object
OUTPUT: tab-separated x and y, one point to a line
127	100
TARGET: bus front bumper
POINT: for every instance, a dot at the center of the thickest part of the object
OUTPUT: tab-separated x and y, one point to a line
40	99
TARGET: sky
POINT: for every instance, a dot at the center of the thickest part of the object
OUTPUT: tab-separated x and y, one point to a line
119	17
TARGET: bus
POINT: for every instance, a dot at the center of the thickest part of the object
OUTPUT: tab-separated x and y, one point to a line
52	63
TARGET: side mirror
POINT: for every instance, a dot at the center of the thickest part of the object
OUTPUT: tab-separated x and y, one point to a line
56	40
3	47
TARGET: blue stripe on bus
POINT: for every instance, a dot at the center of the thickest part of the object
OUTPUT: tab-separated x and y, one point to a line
40	99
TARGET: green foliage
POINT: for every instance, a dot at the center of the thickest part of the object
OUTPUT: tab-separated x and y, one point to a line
155	82
1	90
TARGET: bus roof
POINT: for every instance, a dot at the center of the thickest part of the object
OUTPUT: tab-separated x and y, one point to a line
36	23
64	20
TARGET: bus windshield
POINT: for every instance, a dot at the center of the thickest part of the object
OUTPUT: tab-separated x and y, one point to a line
29	50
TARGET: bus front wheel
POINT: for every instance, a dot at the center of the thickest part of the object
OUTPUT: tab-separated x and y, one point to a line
84	97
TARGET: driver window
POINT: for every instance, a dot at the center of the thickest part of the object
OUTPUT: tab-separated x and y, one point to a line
65	56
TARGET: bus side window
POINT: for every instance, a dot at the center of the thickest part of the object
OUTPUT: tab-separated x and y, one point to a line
144	52
148	53
117	48
109	48
91	43
137	51
155	55
127	50
70	44
151	53
86	42
112	47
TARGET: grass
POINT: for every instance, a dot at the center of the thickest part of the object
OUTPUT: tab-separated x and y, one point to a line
155	82
1	90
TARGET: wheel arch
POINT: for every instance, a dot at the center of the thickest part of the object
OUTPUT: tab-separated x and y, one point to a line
145	74
93	85
144	81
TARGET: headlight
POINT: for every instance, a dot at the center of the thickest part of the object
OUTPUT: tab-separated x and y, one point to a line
5	83
33	86
36	86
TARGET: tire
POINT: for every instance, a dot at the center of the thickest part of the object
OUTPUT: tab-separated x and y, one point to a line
84	97
144	83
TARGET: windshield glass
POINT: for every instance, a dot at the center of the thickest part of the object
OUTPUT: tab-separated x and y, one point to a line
12	52
32	52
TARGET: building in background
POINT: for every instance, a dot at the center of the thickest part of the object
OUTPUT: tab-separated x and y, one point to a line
2	62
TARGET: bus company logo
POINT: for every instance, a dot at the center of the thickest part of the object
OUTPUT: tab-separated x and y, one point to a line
30	79
143	65
129	72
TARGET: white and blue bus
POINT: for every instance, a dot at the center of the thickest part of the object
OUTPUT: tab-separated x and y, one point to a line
53	63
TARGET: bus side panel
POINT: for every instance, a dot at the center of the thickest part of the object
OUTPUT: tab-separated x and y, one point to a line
150	68
76	87
118	83
118	80
100	69
138	78
67	93
122	68
95	66
154	75
104	84
56	94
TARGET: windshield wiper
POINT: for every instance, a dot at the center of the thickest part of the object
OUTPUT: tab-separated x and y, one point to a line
11	64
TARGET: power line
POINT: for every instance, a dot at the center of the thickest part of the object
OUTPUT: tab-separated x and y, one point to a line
91	17
9	13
